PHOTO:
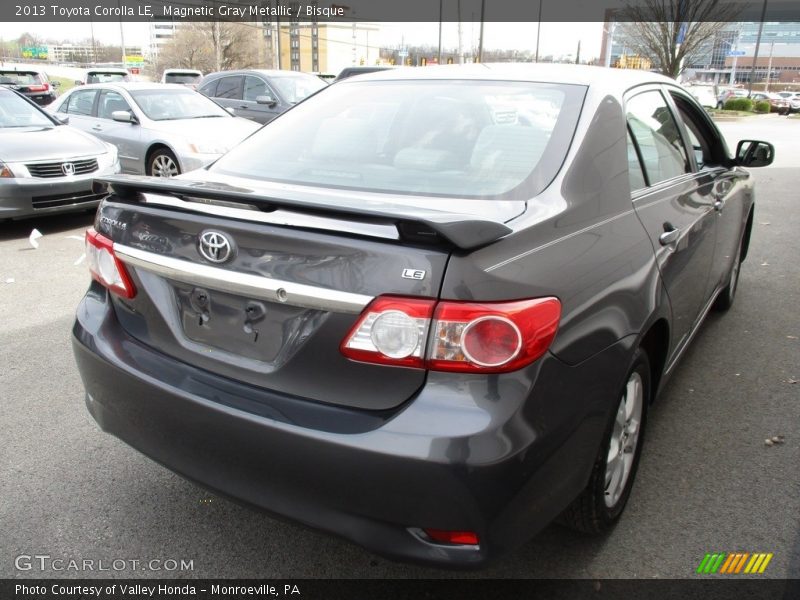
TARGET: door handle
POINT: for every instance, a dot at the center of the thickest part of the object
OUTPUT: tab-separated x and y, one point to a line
97	128
719	205
670	235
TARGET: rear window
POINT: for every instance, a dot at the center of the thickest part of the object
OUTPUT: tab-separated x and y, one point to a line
101	77
20	77
185	78
467	139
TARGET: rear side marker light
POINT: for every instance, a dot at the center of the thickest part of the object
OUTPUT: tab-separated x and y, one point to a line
455	538
105	267
486	337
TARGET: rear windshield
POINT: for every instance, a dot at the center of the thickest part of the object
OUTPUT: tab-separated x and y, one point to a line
99	77
20	77
467	139
182	78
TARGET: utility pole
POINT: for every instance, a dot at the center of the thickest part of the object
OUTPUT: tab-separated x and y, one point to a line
538	31
440	31
480	41
769	66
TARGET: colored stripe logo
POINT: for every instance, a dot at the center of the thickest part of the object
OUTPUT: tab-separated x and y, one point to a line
734	563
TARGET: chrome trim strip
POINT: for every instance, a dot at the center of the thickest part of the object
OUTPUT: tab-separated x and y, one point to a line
278	217
252	286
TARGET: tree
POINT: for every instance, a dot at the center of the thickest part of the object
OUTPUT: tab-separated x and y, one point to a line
216	46
652	29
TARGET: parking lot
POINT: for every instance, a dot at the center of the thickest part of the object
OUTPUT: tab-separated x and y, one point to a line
707	481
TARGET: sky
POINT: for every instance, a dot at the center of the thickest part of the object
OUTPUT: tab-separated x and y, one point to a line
557	39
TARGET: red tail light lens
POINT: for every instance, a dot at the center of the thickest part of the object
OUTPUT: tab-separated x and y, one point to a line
489	337
105	266
39	88
460	538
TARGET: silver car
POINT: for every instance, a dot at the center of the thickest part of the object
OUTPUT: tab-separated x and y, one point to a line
45	166
159	129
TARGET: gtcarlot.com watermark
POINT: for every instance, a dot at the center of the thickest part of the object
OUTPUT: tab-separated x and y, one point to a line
43	563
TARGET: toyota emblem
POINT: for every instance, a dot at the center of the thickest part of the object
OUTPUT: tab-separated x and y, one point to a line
215	246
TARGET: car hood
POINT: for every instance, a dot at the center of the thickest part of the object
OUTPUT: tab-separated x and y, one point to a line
42	143
223	130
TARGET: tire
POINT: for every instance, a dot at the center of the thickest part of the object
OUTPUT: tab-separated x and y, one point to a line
726	297
601	503
162	163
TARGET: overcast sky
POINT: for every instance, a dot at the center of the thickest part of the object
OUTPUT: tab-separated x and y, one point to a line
556	38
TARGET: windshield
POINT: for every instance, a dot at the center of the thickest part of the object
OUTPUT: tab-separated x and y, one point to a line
171	104
16	112
294	88
185	78
443	138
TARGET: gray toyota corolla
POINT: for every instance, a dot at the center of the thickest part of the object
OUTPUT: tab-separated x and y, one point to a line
427	310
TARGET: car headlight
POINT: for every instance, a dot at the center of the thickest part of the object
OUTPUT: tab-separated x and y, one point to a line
207	148
109	159
5	171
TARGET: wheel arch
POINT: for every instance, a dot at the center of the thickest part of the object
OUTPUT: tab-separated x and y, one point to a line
655	343
154	147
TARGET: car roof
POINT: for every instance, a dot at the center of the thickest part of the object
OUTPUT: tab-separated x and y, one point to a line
132	86
267	72
613	80
182	70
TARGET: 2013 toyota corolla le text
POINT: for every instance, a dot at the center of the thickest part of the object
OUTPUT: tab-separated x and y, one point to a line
427	310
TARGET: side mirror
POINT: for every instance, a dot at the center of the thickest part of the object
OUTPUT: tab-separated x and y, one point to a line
61	118
123	116
754	153
268	100
55	84
78	82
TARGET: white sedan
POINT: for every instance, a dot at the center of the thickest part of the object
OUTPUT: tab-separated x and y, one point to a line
159	129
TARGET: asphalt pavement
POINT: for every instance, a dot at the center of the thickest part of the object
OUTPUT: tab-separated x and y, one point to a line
707	481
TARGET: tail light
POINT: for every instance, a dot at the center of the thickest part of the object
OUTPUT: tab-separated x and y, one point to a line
39	88
105	267
485	337
456	538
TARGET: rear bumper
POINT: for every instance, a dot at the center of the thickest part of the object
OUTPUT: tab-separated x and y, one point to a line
485	454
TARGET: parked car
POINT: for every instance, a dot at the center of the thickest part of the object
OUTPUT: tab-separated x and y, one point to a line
360	70
259	95
730	94
104	75
159	129
704	94
45	166
426	309
187	77
777	103
31	82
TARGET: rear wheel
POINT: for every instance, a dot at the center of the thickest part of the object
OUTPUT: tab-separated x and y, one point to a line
600	505
162	163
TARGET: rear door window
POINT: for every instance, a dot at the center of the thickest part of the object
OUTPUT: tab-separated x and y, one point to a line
254	87
230	88
657	137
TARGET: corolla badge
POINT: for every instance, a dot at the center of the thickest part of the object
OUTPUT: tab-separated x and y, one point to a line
215	246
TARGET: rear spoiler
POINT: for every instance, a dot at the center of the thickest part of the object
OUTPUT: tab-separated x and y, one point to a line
462	230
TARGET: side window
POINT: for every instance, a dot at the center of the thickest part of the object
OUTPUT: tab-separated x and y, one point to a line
209	89
229	87
82	102
254	87
635	173
657	136
705	142
110	102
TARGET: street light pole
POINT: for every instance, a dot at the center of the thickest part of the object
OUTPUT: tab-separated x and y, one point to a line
755	54
538	31
440	31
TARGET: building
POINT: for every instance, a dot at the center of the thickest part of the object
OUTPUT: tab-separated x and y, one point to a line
728	56
162	30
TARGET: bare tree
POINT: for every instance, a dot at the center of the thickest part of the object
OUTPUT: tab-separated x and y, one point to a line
216	46
652	29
